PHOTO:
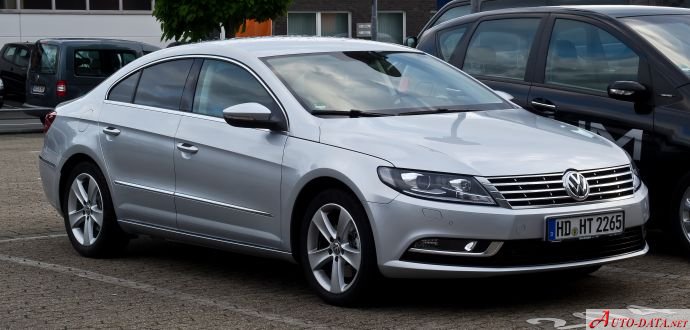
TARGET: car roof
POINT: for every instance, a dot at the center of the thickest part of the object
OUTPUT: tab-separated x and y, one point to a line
87	40
275	46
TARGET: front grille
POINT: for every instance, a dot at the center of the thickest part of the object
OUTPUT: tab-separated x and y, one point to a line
547	189
536	252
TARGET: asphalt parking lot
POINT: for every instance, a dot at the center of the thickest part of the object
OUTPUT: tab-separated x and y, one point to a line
14	120
159	284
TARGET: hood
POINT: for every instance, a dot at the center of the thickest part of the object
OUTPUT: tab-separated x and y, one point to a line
484	143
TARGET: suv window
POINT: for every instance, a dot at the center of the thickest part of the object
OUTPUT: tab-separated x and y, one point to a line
585	56
454	12
500	48
162	85
22	57
124	90
448	41
222	84
44	58
101	62
9	53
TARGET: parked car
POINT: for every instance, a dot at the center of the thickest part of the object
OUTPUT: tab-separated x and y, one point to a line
64	69
459	8
2	93
350	157
13	65
619	71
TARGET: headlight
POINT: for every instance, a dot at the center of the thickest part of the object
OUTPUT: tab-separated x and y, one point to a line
637	183
436	186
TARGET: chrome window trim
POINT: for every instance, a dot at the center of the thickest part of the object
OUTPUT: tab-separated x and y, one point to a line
490	251
213	57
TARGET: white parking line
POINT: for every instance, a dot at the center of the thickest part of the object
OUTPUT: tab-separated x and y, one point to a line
226	305
31	238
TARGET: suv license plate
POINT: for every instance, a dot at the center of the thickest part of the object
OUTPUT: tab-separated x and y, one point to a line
38	89
585	226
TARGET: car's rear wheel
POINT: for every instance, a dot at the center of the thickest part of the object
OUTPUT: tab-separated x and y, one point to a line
88	213
680	224
337	248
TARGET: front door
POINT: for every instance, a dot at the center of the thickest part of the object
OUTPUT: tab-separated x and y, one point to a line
581	60
228	178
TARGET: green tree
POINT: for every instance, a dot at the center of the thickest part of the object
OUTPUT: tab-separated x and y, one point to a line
194	20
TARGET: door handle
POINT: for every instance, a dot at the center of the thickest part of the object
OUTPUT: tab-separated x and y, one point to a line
188	148
111	131
544	107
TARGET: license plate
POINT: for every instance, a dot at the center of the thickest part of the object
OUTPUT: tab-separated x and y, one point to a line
585	226
38	89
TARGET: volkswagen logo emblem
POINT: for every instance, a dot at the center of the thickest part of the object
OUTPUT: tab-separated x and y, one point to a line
576	185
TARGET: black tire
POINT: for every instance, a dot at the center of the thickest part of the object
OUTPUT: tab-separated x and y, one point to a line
111	240
675	220
368	273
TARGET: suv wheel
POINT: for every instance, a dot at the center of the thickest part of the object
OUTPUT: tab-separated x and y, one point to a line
89	216
680	224
337	250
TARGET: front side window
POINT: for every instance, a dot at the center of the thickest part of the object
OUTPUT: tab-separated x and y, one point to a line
319	24
448	41
454	12
124	90
585	56
222	85
501	48
101	62
385	82
162	85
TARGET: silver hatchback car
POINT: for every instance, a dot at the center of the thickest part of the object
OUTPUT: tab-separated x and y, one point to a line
353	158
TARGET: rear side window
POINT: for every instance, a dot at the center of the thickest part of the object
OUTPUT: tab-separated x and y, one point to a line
454	12
9	52
222	84
44	58
162	85
585	56
22	58
101	62
501	48
124	90
448	41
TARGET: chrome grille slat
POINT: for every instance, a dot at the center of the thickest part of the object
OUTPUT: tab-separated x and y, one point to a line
535	190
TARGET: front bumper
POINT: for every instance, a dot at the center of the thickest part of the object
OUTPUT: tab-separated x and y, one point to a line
405	220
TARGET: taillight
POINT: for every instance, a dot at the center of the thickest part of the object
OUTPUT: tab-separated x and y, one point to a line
61	88
49	119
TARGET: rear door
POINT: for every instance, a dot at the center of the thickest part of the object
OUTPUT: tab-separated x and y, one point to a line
137	138
43	74
499	53
577	63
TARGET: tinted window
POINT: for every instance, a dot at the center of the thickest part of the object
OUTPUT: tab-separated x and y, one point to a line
162	85
101	62
448	41
583	55
454	12
223	84
9	53
501	48
124	90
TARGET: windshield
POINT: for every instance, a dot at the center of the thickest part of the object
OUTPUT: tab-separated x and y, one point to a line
44	59
382	82
668	33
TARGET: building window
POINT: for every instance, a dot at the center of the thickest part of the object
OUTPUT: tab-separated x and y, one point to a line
391	27
136	4
70	4
8	4
319	24
37	4
104	4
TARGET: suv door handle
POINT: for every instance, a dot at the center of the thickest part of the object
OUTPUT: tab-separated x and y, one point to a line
111	131
188	148
544	106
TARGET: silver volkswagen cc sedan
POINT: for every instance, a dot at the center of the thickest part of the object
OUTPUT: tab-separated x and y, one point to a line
353	158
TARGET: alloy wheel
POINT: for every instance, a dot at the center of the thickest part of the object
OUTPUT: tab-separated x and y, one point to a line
85	209
685	213
333	248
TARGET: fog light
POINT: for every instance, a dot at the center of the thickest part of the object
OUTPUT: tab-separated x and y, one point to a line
470	246
428	243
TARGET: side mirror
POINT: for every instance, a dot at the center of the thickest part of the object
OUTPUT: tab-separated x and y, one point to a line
505	95
252	115
627	91
411	42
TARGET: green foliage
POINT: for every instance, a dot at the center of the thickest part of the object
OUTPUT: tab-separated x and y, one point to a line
194	20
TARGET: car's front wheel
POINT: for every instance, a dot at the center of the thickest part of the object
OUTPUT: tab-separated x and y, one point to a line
337	248
88	213
680	224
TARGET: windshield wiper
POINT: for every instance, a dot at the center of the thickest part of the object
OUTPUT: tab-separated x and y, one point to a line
435	110
349	113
